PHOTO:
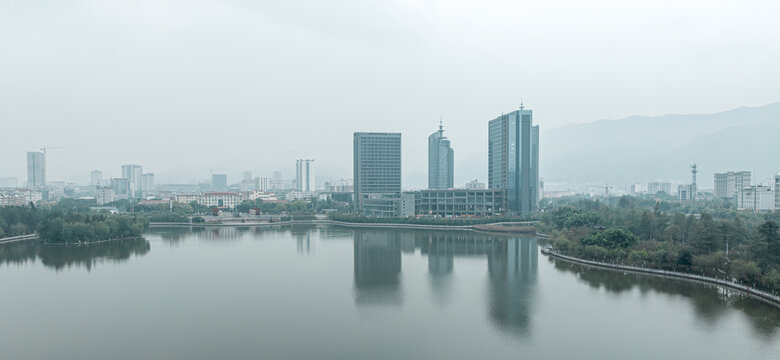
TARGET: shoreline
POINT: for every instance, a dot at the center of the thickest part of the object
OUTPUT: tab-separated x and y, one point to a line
91	242
766	297
474	227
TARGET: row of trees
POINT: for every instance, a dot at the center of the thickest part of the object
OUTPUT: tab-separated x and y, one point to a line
744	246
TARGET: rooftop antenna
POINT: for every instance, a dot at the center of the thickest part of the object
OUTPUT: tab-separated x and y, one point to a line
441	125
521	105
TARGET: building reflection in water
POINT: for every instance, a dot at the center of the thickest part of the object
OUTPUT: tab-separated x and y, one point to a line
61	256
512	268
377	262
511	264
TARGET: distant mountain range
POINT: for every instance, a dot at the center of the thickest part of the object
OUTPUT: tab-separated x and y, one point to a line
640	149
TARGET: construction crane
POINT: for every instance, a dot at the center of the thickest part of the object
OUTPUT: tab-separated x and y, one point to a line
606	188
44	148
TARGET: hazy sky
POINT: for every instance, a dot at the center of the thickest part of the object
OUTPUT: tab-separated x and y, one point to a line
183	86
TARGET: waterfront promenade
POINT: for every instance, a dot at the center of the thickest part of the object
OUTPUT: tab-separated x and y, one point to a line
761	295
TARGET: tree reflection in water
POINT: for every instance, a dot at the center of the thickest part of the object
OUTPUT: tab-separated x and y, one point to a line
710	303
62	256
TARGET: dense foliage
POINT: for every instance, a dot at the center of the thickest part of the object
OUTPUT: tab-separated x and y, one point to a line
68	221
84	227
733	245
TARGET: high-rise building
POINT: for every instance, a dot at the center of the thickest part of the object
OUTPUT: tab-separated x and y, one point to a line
104	195
513	159
122	188
133	174
376	165
655	187
147	182
263	183
247	175
219	181
95	177
277	183
440	161
777	191
36	170
304	175
729	184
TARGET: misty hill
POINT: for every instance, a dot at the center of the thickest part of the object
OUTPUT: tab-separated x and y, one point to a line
638	148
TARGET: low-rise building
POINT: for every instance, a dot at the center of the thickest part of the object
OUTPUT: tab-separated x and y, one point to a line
222	200
257	194
20	197
460	202
187	198
299	196
756	198
475	185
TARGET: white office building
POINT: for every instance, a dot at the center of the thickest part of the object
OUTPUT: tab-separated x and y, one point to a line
104	195
729	184
756	198
222	200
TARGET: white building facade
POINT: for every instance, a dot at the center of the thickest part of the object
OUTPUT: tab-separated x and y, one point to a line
756	198
222	200
104	195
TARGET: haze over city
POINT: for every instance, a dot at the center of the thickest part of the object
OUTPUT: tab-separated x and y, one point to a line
182	87
395	179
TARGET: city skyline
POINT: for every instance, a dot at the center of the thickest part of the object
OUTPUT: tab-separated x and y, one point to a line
429	59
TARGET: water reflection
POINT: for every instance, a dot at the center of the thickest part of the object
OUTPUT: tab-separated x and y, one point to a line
377	260
60	256
511	264
710	303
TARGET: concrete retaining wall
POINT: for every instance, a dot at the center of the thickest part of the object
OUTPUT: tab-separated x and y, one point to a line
18	238
761	295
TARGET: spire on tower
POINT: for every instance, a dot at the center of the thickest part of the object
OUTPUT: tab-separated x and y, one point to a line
521	105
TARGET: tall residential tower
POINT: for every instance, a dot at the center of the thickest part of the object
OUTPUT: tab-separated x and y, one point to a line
304	175
440	161
513	159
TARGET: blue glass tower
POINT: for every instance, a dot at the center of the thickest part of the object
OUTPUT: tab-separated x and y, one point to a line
513	160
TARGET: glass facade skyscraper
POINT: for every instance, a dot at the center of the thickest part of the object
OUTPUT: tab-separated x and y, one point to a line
513	160
377	166
36	170
440	161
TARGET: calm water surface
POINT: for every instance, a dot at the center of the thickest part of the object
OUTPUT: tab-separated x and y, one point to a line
338	293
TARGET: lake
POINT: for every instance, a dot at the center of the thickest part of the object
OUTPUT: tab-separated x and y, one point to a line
327	292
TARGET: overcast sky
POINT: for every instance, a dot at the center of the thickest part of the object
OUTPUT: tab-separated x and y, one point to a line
183	86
